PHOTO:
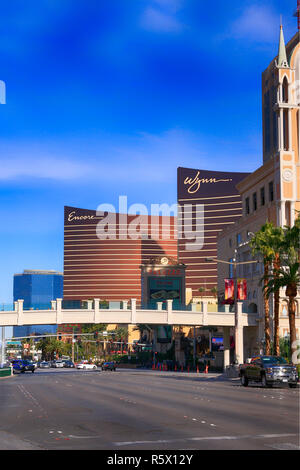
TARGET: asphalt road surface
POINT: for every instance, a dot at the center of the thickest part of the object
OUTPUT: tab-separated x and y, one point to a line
69	409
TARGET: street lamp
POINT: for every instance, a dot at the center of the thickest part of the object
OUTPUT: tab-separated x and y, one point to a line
233	263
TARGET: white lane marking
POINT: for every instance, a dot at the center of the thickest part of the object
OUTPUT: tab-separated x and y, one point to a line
209	438
31	398
284	446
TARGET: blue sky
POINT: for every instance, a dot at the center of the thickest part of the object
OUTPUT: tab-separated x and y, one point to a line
108	98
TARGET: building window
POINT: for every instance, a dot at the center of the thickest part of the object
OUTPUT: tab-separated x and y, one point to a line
230	268
285	90
238	238
262	196
254	197
230	243
271	191
285	129
247	206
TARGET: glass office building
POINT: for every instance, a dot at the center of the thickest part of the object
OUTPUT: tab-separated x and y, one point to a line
37	289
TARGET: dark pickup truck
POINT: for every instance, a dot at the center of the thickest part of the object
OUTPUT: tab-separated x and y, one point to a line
269	370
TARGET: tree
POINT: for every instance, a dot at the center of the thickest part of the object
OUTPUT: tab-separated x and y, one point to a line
277	247
214	291
288	276
142	328
49	346
261	243
201	290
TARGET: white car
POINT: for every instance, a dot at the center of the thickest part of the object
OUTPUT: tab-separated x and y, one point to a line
58	364
86	365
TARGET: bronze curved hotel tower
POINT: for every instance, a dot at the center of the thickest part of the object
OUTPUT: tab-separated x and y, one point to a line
109	268
208	201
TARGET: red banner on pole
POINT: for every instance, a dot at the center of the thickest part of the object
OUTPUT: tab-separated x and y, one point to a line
241	289
229	289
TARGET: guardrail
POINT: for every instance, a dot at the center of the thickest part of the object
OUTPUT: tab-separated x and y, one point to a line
6	372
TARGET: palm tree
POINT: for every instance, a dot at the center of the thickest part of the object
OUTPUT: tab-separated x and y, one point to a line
288	275
261	243
214	291
201	290
277	244
288	278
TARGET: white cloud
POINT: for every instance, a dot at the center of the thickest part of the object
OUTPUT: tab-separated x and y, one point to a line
171	5
257	23
155	20
50	168
142	158
162	16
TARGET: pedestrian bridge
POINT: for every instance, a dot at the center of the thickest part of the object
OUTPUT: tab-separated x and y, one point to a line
129	314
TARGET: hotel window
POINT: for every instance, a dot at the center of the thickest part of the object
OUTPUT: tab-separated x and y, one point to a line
247	206
271	192
262	196
238	238
254	198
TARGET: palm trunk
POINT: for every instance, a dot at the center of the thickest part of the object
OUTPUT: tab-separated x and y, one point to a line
276	308
267	310
291	292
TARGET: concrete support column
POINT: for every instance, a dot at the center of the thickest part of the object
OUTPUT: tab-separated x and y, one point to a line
194	306
53	304
20	312
226	342
16	306
293	213
239	334
96	310
58	311
159	305
204	312
3	345
90	305
169	310
125	304
280	209
133	311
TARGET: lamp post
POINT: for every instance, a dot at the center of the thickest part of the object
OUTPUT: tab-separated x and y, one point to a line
234	263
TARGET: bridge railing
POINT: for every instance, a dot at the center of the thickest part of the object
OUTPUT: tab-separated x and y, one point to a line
127	313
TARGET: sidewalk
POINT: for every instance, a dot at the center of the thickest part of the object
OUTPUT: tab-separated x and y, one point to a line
199	375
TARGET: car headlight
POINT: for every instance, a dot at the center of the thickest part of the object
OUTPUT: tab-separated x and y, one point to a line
269	370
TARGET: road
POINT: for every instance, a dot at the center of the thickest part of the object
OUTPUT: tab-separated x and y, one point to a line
144	409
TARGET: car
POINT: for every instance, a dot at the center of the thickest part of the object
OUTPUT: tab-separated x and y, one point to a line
269	370
68	364
86	365
108	366
34	363
21	366
58	364
45	365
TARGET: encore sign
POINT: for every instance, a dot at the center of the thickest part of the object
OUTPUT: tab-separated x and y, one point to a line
165	272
